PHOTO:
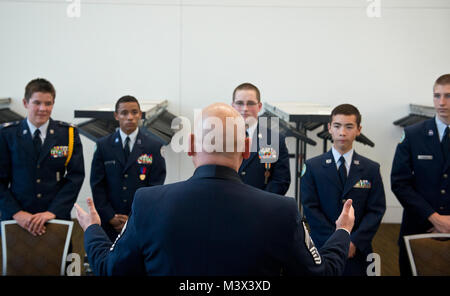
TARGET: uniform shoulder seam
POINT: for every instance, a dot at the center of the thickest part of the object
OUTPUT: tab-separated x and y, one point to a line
9	124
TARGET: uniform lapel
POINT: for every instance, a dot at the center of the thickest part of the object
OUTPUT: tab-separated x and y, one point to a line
355	173
26	140
118	148
330	169
138	147
433	141
50	140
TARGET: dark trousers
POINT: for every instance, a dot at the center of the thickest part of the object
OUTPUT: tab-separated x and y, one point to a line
356	266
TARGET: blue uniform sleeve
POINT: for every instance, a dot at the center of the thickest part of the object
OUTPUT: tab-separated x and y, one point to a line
280	178
8	204
158	169
403	179
99	186
73	179
124	257
374	211
317	220
304	258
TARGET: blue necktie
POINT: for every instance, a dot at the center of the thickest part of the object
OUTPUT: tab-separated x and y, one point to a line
126	149
342	170
37	142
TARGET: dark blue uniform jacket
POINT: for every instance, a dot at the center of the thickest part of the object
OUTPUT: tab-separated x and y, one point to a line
43	184
213	224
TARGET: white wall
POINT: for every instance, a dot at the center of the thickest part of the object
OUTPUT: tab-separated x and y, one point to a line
193	53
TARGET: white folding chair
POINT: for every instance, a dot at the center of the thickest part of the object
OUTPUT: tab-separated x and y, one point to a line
429	253
25	254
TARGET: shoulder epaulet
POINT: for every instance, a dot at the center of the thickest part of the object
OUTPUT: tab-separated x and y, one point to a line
8	124
65	123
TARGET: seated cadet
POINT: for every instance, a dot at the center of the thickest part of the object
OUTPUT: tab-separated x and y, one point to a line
123	162
420	170
330	179
276	177
213	223
41	160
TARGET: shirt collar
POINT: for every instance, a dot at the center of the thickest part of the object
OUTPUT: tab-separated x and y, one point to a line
347	156
440	127
251	130
43	128
216	171
132	136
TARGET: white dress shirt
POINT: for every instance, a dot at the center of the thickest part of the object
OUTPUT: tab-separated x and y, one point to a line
440	127
132	136
43	129
347	156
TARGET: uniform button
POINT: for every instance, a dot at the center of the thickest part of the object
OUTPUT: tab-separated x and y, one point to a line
38	181
441	208
39	195
124	200
243	173
38	166
124	188
125	176
443	191
343	201
445	176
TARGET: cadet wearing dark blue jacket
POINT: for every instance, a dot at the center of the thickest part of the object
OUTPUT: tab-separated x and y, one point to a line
276	177
41	161
121	166
213	224
329	180
420	173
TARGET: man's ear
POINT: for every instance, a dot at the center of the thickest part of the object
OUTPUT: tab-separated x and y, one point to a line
116	115
191	151
359	129
25	103
246	153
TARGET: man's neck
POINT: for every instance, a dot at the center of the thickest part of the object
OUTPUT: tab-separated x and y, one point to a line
128	133
214	160
444	120
342	152
36	125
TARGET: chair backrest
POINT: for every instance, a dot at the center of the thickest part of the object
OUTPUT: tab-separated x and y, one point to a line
25	254
429	253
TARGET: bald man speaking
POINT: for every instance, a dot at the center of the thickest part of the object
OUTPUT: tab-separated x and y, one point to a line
213	223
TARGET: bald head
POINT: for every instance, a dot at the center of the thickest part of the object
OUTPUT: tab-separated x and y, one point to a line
219	137
220	110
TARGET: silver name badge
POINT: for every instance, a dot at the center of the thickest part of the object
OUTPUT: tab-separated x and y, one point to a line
425	157
58	176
